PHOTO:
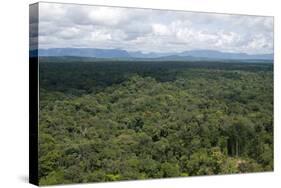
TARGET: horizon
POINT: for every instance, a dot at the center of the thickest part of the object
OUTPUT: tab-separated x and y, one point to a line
164	53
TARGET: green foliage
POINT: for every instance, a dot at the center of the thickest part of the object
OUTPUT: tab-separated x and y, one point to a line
54	177
109	121
170	170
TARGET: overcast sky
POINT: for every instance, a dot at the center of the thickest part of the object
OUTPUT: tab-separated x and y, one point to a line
146	30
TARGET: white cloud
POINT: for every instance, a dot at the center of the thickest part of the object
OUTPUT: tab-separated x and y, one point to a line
67	25
69	33
107	16
160	29
100	36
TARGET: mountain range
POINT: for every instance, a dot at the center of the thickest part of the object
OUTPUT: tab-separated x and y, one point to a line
123	54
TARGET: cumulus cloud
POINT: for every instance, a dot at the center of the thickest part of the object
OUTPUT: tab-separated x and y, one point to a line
67	25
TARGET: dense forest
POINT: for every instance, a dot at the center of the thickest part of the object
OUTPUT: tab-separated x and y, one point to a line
127	120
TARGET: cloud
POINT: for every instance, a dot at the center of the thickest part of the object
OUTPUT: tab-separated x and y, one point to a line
108	16
68	25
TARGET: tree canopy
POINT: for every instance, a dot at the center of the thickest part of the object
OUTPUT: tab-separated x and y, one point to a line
112	121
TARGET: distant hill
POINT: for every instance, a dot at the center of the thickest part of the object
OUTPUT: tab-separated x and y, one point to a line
84	52
224	55
123	54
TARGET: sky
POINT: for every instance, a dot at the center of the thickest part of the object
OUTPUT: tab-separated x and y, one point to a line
148	30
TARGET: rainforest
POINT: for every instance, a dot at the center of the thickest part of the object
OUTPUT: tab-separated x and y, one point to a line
109	120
